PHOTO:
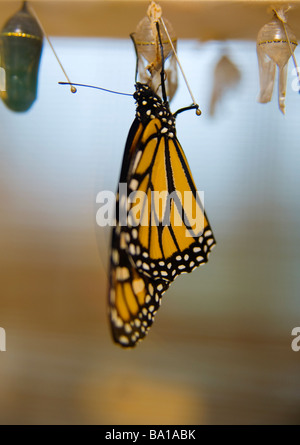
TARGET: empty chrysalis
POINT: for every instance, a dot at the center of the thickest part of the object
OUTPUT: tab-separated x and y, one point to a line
148	52
21	41
276	43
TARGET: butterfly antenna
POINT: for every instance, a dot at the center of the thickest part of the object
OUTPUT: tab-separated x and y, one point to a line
96	88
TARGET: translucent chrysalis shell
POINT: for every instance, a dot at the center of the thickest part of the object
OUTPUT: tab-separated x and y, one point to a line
21	42
226	77
148	52
273	48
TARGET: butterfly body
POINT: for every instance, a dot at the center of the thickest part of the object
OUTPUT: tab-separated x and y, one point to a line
160	238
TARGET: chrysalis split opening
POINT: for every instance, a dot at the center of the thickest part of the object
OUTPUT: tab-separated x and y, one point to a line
148	52
152	40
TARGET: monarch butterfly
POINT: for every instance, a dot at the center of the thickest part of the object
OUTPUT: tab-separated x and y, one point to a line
146	254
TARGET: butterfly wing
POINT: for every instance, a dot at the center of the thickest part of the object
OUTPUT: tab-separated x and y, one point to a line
170	231
133	298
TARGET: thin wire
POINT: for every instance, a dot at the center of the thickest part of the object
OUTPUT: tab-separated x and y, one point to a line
178	61
73	89
292	54
290	46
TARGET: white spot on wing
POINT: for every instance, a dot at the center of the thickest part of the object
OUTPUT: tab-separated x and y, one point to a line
133	185
151	289
132	249
123	243
127	328
138	285
124	340
122	273
115	256
137	322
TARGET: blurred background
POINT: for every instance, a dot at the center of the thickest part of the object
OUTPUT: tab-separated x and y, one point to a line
219	351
